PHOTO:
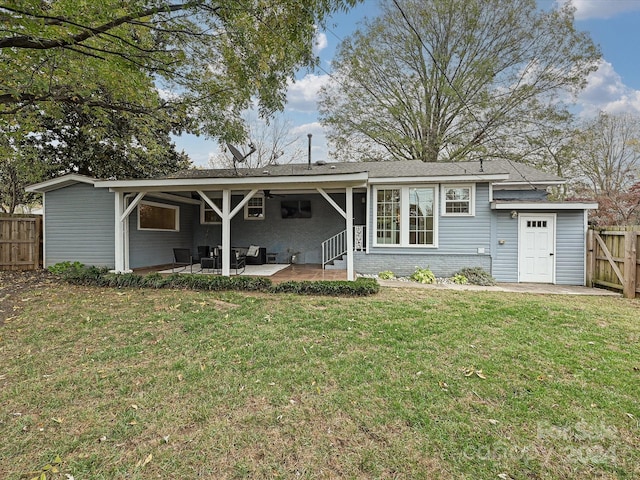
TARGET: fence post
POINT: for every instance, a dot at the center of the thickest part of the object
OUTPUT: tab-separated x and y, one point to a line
629	285
37	245
591	258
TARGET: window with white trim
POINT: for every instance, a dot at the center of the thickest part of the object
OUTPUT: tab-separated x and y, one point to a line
458	200
208	215
405	216
388	216
158	216
421	225
254	208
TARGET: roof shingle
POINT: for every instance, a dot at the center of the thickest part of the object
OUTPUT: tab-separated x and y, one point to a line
518	172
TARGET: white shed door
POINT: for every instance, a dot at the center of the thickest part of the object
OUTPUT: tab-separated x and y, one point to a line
536	248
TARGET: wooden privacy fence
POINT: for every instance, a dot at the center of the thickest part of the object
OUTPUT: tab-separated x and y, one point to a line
20	242
613	259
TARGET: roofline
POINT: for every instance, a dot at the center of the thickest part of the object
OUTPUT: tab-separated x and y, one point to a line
535	182
510	205
180	184
476	177
60	182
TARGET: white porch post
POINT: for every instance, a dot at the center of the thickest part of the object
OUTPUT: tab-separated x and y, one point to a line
226	214
120	259
350	268
226	232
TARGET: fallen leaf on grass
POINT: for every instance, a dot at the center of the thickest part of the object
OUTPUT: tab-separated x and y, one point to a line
493	421
469	372
132	422
630	415
57	420
142	463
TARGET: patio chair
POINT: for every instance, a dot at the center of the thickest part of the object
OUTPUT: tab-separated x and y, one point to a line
203	251
238	261
182	258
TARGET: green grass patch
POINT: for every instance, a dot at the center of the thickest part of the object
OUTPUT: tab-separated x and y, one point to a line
107	383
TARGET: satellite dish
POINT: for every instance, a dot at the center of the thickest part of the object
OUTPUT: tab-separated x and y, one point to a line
237	155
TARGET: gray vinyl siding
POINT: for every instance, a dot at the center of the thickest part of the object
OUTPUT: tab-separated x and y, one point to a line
569	252
461	235
460	239
149	248
531	195
570	247
505	258
303	236
79	226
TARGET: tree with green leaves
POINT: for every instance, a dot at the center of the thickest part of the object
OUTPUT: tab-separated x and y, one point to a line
209	58
113	144
21	166
97	87
451	79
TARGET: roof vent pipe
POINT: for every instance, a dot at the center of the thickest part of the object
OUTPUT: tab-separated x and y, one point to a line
481	165
309	156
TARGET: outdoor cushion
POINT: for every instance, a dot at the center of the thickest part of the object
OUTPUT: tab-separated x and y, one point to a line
253	251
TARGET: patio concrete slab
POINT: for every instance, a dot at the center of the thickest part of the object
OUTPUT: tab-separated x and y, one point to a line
536	288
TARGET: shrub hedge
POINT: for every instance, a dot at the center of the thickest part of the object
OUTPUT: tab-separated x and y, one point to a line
78	274
360	287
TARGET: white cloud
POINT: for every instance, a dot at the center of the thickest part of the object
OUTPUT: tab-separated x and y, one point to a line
606	91
302	96
319	149
586	9
167	94
320	42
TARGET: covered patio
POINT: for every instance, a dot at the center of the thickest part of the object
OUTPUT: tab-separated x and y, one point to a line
293	272
325	195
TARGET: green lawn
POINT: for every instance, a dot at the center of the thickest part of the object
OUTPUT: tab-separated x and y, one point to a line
404	384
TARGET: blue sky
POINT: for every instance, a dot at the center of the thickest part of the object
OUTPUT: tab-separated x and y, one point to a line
614	25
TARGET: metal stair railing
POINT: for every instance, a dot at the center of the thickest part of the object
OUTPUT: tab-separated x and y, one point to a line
334	247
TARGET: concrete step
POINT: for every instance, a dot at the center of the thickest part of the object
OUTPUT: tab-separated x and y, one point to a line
337	264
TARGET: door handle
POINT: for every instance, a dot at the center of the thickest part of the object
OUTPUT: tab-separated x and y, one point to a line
551	254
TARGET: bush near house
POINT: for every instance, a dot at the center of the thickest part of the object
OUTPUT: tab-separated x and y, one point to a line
423	275
79	274
476	276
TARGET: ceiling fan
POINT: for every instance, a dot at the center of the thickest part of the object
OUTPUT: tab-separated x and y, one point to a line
268	194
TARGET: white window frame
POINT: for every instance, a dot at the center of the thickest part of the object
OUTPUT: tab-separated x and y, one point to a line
472	200
248	207
160	205
404	215
204	207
